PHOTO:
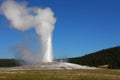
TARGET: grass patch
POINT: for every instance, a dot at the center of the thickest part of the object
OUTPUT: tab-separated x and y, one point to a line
100	74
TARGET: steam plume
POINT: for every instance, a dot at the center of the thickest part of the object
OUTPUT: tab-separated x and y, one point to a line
23	18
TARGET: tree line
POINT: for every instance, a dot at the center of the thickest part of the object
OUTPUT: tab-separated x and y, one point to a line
110	57
8	63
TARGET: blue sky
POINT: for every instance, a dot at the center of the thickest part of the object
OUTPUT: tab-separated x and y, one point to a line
82	27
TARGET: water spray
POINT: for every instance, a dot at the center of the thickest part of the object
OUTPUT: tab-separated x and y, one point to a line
23	18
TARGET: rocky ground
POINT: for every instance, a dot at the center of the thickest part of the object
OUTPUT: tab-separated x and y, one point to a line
53	65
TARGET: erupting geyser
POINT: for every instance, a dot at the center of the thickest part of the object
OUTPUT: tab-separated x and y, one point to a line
48	57
23	18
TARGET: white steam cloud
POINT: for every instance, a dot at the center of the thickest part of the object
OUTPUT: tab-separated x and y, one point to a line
23	18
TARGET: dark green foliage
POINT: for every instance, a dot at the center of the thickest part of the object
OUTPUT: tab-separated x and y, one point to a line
8	62
110	57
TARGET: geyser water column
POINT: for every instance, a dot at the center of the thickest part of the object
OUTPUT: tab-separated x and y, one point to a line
23	18
46	48
48	54
45	29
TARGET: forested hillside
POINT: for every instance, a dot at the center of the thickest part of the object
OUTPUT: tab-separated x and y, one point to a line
110	57
8	63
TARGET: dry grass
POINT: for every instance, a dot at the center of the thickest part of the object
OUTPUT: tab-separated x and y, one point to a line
100	74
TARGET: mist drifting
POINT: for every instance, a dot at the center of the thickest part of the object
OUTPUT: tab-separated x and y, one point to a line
23	18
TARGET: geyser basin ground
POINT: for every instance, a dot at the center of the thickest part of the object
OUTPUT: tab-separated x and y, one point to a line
91	74
52	65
